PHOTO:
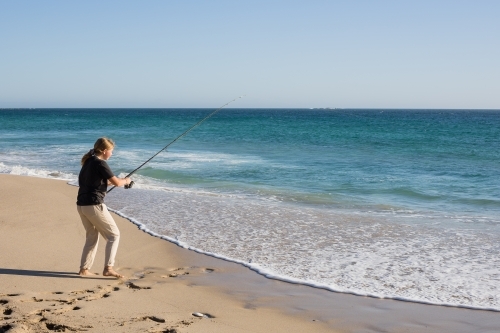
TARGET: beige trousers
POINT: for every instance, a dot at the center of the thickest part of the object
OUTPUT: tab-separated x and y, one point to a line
97	220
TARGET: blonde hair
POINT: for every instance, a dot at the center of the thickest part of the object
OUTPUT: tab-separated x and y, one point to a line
99	146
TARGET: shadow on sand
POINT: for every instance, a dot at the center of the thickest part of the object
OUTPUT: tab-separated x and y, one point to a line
28	272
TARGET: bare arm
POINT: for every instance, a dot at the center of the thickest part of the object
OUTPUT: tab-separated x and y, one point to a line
118	181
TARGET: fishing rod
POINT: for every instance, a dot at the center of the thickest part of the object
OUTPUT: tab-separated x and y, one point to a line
177	138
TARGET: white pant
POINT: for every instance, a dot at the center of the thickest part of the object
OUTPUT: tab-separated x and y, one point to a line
97	220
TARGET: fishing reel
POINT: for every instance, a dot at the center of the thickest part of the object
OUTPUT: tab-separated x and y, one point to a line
129	185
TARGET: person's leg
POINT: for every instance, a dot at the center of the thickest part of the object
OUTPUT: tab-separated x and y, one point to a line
91	241
106	226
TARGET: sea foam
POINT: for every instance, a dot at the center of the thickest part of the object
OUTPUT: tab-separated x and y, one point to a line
34	172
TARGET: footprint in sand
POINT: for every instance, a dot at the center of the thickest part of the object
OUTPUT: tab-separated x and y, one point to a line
32	299
134	286
38	319
60	327
170	275
144	318
185	322
178	269
167	330
156	319
176	272
5	328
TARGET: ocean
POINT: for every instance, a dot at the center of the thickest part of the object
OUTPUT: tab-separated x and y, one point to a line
400	204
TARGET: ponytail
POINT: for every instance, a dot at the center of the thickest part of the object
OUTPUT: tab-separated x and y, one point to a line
99	146
86	156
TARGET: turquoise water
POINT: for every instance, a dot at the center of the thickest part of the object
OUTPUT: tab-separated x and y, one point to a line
411	197
442	160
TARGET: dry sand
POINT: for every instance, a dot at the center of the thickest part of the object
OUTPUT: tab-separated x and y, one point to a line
41	238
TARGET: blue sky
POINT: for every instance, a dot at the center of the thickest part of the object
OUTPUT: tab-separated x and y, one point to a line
348	54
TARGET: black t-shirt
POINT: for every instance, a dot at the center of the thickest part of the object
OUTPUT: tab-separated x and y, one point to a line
93	181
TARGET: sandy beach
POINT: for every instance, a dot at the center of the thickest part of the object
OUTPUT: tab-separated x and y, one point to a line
41	239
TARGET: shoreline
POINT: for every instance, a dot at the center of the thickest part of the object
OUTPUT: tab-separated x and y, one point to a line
167	283
285	279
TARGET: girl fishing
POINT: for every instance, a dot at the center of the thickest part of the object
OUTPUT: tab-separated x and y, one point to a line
93	179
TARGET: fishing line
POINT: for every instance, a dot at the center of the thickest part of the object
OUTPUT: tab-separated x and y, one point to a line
177	138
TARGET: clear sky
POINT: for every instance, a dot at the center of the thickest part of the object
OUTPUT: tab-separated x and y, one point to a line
346	54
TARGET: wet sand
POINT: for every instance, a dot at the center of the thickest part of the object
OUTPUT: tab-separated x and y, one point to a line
41	238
